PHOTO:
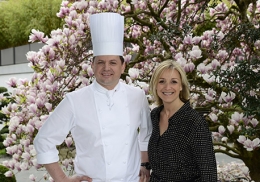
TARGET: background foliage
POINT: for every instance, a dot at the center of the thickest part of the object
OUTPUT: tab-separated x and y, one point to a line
19	17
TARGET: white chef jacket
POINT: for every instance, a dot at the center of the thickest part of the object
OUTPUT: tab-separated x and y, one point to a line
104	126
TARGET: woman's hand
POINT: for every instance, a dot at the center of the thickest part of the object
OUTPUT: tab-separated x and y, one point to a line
144	175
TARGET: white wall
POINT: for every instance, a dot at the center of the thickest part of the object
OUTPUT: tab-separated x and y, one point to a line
16	70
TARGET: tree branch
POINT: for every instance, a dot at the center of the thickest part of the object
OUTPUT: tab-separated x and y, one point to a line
226	151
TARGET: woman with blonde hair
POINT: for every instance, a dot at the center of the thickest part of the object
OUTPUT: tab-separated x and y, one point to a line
180	148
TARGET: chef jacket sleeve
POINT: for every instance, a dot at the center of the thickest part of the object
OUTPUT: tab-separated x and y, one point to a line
146	124
53	132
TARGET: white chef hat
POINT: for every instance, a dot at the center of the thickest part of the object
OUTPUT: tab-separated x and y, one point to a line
107	33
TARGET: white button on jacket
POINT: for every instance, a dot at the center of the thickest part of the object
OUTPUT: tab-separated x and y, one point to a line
104	125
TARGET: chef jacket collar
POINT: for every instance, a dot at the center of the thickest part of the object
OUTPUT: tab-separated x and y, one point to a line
103	90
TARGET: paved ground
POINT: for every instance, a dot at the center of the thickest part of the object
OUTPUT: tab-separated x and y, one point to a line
24	175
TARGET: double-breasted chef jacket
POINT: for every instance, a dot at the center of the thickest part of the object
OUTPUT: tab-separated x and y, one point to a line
109	129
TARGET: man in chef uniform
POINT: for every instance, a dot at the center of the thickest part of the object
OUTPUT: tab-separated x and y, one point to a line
109	120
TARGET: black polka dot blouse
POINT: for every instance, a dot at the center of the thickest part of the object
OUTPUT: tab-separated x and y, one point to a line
184	152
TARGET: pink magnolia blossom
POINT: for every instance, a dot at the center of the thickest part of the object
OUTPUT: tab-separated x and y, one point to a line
189	67
1	97
221	7
209	78
128	80
216	135
127	58
6	110
63	12
51	180
12	150
230	128
245	170
202	68
257	44
228	97
61	63
241	139
224	139
188	40
133	73
85	66
209	98
90	71
8	174
24	166
221	130
196	40
66	163
68	141
8	141
32	56
12	82
134	1
144	86
14	122
54	41
16	157
85	81
251	145
212	11
11	164
182	61
254	122
214	64
135	47
32	177
195	52
222	54
48	106
29	129
31	99
33	108
178	55
37	36
25	142
26	156
35	164
252	93
236	117
17	167
40	102
213	117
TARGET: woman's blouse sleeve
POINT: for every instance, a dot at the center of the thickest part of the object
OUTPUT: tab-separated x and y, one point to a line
204	152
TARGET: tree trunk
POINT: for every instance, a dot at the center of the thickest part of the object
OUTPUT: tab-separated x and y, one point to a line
254	170
252	162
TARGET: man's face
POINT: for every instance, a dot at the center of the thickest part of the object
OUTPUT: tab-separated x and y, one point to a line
107	70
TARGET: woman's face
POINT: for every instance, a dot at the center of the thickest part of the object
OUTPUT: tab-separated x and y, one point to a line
169	86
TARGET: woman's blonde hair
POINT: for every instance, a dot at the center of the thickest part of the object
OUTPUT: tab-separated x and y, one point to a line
171	65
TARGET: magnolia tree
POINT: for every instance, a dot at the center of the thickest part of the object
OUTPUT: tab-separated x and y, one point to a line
217	44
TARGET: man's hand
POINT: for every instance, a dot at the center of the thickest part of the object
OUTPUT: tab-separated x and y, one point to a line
144	175
78	179
58	174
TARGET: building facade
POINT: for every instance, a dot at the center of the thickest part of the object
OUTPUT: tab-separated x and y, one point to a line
13	63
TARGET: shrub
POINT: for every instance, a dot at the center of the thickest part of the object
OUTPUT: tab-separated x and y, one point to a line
3	178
